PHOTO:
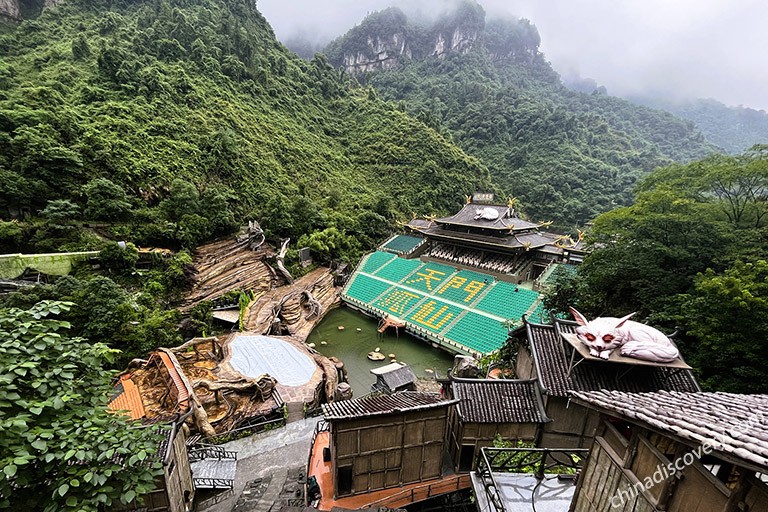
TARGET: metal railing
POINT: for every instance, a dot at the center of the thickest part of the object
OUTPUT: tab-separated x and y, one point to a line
533	461
210	452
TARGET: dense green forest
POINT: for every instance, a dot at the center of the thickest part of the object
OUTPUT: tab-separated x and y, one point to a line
689	255
734	129
566	155
168	124
179	121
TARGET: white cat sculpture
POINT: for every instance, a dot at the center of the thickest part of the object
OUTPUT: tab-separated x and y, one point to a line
603	335
486	214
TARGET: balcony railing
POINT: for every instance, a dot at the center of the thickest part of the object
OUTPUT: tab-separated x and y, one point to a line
533	461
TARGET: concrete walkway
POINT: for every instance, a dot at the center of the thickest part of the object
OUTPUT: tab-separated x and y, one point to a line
267	454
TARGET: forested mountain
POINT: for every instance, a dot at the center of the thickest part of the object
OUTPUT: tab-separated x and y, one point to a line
566	155
175	121
735	129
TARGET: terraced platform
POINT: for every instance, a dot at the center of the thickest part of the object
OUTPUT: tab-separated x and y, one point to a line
463	310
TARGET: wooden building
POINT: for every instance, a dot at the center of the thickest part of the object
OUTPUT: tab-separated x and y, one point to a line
678	452
545	356
486	408
385	441
174	490
393	378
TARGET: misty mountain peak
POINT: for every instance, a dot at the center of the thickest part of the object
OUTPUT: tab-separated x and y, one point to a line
385	38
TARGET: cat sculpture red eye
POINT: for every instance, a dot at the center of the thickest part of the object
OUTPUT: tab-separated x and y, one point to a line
608	337
590	336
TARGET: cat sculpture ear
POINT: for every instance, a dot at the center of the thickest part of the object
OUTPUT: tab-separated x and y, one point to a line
579	317
623	319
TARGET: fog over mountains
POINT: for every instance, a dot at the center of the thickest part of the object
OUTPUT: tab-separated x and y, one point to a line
678	50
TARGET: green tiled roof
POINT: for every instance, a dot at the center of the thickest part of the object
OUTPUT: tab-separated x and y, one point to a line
402	244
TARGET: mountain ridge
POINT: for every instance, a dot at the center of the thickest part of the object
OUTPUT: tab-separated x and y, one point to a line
567	156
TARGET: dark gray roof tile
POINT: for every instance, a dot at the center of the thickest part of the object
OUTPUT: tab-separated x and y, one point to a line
499	401
380	405
730	423
552	368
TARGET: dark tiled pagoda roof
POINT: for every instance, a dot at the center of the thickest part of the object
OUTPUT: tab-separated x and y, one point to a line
499	401
506	221
731	424
551	361
527	240
380	405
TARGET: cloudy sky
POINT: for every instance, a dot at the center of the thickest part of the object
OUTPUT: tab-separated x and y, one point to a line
681	48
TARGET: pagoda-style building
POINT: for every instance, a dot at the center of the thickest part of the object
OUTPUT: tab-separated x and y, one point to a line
493	238
462	282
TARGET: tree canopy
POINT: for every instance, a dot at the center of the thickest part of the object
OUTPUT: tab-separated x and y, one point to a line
689	255
61	449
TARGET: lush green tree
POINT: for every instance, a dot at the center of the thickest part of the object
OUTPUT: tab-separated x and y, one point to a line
726	314
117	258
326	245
60	211
183	199
106	200
60	449
649	252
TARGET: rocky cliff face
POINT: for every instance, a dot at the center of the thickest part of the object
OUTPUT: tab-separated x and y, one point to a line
386	38
460	40
382	53
10	9
18	10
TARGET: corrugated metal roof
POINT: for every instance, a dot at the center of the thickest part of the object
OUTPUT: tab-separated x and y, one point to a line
183	394
499	401
552	368
730	423
379	405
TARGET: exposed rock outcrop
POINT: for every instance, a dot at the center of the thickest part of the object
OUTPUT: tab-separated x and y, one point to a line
10	9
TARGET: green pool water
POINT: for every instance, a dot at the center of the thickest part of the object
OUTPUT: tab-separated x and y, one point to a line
352	347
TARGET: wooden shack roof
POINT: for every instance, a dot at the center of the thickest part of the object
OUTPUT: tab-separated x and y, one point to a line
395	375
506	219
731	424
499	401
548	351
380	405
